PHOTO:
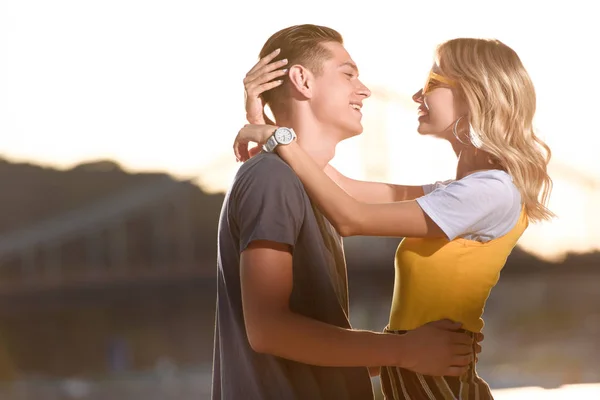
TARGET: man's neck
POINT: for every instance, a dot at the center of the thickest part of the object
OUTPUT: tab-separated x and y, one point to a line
313	139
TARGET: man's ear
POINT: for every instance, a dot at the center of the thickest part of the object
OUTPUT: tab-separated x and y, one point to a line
301	80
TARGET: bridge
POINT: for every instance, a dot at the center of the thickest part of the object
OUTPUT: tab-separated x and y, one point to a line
143	234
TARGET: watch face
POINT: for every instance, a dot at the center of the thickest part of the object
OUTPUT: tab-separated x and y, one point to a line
284	135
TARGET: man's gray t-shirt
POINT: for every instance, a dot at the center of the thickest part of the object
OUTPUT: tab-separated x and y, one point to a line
268	202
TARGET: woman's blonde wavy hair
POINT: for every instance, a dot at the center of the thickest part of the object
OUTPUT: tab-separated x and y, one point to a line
501	101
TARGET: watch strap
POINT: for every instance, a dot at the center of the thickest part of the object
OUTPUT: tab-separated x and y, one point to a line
271	144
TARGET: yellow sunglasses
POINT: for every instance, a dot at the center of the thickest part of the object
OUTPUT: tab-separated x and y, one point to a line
435	81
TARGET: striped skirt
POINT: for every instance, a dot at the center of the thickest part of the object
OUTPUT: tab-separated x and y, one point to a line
401	384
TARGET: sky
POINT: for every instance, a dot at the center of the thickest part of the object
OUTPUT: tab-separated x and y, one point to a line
157	85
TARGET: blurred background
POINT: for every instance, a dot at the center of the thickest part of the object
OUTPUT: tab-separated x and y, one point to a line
117	119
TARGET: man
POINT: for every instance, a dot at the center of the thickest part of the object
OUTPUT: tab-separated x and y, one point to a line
282	328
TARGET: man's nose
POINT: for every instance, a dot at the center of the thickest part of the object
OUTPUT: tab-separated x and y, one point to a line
363	90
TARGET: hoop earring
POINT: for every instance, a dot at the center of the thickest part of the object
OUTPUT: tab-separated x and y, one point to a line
456	133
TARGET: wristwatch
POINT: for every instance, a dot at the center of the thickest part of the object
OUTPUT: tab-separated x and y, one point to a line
280	136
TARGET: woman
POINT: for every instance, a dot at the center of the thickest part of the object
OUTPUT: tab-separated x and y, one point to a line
457	234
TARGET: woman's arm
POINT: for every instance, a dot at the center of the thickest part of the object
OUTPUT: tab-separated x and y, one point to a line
374	192
351	217
367	192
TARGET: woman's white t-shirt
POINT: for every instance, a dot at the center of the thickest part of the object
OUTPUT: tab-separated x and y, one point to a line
481	206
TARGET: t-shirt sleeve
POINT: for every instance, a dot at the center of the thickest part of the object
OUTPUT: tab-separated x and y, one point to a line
468	205
432	186
269	204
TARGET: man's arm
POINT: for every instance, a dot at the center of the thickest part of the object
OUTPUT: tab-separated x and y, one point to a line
266	278
374	192
272	328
